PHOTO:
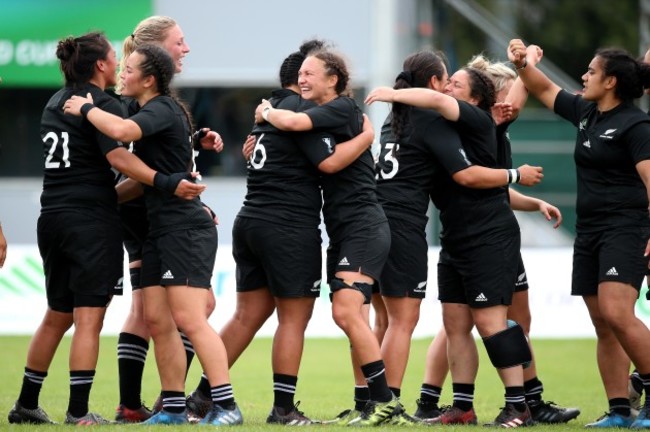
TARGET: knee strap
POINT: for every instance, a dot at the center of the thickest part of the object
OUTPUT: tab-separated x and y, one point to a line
337	284
135	276
508	347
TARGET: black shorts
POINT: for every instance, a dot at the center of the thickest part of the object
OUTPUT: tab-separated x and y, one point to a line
286	260
135	226
614	255
405	272
363	250
481	276
184	257
83	259
522	280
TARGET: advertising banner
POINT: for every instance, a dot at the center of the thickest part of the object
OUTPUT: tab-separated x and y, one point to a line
556	314
30	30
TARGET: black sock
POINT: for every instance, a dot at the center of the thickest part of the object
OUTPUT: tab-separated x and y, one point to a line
173	401
396	391
534	389
80	384
463	396
131	356
189	351
516	397
375	374
284	389
204	386
620	406
645	378
361	397
223	396
430	394
32	384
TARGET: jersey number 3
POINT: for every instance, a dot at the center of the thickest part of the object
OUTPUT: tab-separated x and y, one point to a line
390	159
55	155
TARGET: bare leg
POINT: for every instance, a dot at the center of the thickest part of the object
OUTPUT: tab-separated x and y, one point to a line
288	342
403	313
252	310
613	362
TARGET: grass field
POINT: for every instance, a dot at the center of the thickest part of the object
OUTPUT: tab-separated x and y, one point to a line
567	368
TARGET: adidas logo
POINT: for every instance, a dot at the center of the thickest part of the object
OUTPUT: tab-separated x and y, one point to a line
344	262
587	144
168	275
612	272
480	298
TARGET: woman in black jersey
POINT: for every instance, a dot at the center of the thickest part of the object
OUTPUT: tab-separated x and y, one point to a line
180	250
78	231
426	144
635	386
512	92
276	238
356	224
610	257
480	241
133	340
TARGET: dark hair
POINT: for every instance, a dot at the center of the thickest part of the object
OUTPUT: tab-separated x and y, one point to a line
78	56
158	63
335	65
291	64
481	88
632	75
417	70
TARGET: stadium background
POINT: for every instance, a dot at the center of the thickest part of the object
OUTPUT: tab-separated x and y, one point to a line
237	47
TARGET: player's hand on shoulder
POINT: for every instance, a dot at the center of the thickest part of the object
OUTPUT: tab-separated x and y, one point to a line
380	94
73	105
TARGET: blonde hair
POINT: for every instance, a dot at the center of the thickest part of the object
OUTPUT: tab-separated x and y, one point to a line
499	73
149	31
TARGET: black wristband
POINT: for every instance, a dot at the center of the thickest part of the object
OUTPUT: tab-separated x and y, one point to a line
85	108
169	183
197	137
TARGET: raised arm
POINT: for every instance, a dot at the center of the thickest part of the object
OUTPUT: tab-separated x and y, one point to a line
282	119
518	94
348	151
538	84
419	97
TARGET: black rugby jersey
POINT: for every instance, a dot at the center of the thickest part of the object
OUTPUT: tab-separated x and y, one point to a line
608	146
504	147
405	170
283	186
166	146
77	174
349	195
472	216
